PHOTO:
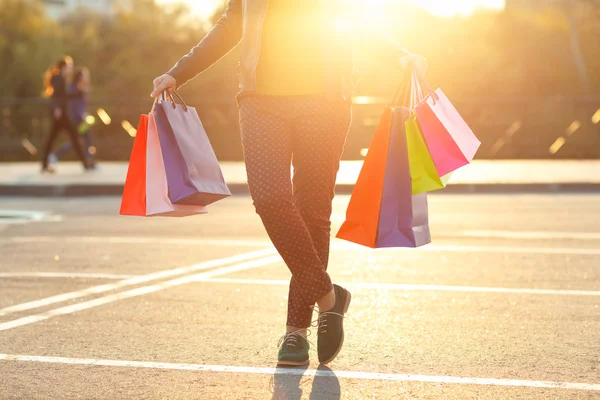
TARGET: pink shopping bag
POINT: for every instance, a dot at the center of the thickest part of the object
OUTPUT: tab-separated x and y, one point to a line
451	143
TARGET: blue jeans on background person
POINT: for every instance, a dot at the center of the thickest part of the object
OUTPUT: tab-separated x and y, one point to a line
86	144
85	139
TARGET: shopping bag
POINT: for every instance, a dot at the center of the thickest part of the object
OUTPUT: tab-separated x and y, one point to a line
362	216
451	143
382	211
133	201
403	218
146	192
193	172
424	175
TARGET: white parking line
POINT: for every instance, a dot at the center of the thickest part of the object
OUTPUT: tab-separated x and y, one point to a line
432	288
138	292
309	372
83	275
135	281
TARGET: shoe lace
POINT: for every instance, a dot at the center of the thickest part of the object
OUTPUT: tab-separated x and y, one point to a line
291	338
321	321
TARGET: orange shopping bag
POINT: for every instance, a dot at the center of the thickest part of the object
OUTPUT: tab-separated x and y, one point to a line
362	215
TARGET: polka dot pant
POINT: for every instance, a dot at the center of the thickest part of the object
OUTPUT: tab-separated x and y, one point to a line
309	133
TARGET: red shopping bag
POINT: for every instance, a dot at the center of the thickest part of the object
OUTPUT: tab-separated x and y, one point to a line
146	192
133	201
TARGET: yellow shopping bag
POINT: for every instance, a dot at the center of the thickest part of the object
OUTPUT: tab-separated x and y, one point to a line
423	173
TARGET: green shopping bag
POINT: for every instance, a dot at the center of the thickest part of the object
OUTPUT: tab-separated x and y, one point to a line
422	169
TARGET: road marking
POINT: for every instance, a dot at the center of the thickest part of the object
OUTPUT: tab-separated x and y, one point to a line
308	372
529	235
431	288
138	292
25	216
135	281
83	275
335	245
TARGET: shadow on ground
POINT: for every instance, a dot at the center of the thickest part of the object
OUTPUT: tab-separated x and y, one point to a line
288	385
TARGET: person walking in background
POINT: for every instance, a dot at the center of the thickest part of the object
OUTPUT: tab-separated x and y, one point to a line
296	77
78	91
55	87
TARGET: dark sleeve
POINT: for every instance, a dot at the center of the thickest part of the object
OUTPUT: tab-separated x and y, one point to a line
59	92
223	37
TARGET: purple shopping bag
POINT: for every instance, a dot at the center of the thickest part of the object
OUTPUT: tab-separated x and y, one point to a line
193	172
403	217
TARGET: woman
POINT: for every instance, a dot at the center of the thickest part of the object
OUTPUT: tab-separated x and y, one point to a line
78	91
296	80
55	87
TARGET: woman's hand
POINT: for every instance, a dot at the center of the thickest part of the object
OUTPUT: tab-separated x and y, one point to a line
57	113
416	61
162	83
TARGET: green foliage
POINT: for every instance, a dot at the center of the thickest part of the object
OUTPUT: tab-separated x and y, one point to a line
29	42
489	53
489	63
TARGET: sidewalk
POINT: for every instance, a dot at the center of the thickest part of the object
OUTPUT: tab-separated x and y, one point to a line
538	176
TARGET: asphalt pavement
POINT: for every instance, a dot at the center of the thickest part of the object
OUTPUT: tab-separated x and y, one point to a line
504	304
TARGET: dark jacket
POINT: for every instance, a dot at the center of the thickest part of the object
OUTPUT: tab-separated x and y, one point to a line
60	96
242	23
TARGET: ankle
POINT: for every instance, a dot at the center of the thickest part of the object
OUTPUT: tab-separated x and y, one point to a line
300	331
327	302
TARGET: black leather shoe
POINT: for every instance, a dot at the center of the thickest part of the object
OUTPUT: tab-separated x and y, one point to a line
331	327
293	350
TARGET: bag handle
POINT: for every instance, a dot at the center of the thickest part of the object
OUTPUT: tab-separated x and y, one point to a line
403	93
163	96
421	81
416	91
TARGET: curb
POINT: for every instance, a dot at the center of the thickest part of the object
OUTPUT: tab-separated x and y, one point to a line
76	190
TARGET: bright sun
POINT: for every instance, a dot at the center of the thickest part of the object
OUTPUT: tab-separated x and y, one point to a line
446	8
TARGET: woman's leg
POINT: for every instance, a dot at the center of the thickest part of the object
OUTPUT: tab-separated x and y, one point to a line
64	148
74	140
266	137
56	126
318	142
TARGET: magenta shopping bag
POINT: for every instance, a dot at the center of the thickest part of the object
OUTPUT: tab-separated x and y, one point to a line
193	172
451	143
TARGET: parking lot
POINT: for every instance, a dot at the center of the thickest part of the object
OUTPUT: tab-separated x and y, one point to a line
504	304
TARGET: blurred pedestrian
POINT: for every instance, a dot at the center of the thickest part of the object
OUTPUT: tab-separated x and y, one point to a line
296	77
78	91
55	87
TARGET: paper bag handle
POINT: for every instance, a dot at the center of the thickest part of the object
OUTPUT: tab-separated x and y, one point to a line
163	97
